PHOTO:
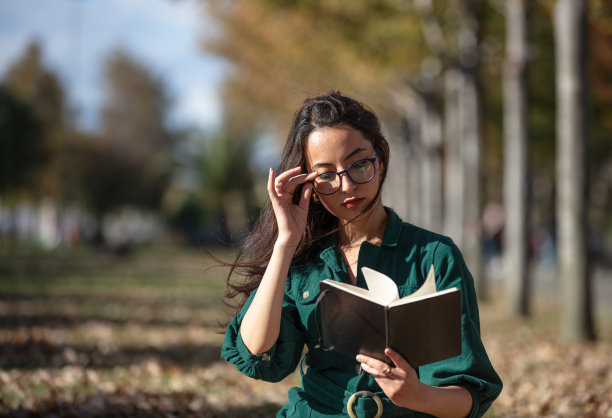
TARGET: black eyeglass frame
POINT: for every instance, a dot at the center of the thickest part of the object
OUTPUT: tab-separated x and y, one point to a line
340	173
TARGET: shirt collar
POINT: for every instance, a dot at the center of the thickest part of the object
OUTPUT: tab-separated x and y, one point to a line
392	230
391	235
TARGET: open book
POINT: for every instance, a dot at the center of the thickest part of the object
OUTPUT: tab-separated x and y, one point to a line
423	327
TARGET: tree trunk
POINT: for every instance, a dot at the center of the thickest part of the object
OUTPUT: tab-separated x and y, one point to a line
431	138
397	187
453	168
415	179
572	138
516	157
421	146
470	121
470	131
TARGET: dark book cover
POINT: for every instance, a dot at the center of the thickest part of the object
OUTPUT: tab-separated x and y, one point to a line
423	330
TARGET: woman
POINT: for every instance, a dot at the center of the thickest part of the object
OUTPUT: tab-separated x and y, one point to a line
325	219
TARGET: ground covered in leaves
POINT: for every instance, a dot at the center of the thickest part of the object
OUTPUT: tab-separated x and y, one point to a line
95	336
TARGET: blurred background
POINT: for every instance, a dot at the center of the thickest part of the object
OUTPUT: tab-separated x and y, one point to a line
135	133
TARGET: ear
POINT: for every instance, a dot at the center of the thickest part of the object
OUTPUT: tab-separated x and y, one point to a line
383	170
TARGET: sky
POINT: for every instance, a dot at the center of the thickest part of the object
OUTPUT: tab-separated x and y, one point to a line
77	36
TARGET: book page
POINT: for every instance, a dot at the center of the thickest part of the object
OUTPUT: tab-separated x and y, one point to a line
428	286
411	299
380	285
357	291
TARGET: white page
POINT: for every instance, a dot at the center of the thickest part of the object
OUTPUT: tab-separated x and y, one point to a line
385	289
380	285
357	291
411	299
428	286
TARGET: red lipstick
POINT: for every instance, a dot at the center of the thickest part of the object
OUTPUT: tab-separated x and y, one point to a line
352	202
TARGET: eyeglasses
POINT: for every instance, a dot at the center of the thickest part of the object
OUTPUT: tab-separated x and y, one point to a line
360	172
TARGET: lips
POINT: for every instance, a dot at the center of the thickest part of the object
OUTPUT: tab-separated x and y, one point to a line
352	202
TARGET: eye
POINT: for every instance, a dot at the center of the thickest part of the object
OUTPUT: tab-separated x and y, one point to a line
326	177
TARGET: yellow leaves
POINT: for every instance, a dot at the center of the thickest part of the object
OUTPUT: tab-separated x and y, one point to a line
285	52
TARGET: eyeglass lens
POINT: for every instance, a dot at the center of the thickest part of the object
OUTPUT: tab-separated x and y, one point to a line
359	172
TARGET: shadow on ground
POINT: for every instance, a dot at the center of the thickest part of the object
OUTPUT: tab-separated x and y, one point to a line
32	354
139	404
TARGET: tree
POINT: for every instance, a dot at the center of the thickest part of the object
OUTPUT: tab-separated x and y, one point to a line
22	148
135	109
379	51
129	162
282	51
456	44
516	158
570	22
108	178
600	155
41	89
470	117
226	181
135	131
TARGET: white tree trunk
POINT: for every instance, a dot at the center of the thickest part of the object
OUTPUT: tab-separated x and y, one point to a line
396	190
572	139
453	167
422	143
415	171
472	143
431	139
470	131
516	167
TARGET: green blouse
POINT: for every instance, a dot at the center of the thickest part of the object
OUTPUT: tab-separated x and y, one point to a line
330	378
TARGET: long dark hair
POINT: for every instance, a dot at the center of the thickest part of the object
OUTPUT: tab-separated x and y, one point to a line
329	110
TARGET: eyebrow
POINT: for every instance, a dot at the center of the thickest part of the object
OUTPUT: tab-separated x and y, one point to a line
355	151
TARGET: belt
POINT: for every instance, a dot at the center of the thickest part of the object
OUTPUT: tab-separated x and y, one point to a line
349	404
372	404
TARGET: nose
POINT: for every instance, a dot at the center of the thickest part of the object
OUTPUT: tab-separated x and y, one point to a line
346	184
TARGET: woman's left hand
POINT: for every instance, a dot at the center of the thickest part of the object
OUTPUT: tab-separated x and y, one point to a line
401	383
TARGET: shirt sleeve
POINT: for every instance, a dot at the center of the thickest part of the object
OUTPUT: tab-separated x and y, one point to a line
276	363
472	369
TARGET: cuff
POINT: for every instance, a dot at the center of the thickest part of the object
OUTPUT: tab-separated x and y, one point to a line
254	359
475	412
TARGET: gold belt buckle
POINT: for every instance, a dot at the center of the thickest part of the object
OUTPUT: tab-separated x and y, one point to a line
367	393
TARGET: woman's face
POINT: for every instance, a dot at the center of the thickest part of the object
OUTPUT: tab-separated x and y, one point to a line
334	149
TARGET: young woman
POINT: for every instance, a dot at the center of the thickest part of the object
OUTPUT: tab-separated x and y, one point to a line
325	220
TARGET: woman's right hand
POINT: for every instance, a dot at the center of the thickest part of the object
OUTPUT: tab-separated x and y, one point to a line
290	218
260	326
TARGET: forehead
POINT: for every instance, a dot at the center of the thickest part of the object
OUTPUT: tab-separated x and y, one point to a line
334	143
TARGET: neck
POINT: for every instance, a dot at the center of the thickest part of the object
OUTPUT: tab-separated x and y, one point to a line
369	226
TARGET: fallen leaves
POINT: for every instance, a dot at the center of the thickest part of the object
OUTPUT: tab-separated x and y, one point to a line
544	376
149	345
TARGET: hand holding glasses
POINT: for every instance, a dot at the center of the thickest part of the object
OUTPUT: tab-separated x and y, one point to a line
360	172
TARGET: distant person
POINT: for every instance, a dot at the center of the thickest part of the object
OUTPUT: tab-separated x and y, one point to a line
325	220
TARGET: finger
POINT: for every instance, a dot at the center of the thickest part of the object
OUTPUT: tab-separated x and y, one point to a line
383	372
286	175
371	362
397	358
312	176
305	198
292	183
271	190
280	182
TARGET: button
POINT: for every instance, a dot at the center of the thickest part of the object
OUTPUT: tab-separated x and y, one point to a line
306	294
265	357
